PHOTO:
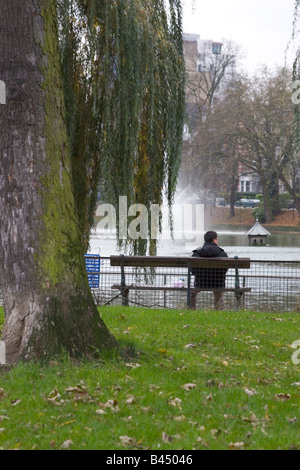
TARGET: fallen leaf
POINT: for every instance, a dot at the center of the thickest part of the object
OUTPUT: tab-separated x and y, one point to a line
112	404
146	408
130	400
176	402
66	444
251	392
251	419
132	365
16	402
77	389
129	418
179	418
54	394
162	350
216	432
199	439
235	445
188	386
126	440
166	438
66	423
283	396
189	346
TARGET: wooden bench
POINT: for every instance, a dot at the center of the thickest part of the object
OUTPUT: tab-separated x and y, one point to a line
181	262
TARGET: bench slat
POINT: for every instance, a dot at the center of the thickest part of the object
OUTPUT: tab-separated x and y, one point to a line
183	289
179	262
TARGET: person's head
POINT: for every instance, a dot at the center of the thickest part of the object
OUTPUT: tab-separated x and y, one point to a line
211	236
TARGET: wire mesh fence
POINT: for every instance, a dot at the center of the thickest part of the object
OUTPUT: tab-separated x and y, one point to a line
275	286
269	286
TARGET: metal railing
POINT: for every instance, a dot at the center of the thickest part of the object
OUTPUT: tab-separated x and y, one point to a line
275	286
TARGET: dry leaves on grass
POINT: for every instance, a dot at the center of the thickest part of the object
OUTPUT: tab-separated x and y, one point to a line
110	404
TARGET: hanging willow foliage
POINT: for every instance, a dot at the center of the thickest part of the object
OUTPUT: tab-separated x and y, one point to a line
124	77
296	72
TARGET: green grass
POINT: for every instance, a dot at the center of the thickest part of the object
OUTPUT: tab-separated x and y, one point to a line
244	393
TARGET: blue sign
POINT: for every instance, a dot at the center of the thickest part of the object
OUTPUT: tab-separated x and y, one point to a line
92	264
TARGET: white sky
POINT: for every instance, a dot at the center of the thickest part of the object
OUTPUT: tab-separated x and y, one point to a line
262	28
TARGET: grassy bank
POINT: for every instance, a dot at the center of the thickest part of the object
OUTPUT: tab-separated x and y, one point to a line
201	380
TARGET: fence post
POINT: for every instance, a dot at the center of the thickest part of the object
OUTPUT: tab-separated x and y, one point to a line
238	293
124	288
237	279
189	285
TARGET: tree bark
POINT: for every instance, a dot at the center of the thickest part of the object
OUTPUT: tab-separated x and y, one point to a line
47	301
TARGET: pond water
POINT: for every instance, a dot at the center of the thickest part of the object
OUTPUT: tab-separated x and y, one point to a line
280	245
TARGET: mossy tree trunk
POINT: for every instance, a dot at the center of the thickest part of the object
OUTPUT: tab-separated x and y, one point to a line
47	301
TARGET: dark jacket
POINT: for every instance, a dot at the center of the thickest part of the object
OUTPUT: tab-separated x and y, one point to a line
209	277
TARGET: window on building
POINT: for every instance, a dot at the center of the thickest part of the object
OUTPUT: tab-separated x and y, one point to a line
216	47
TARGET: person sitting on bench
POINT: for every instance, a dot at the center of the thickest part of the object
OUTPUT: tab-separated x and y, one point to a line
211	277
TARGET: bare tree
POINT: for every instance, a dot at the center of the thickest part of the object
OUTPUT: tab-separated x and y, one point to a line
252	125
263	123
209	72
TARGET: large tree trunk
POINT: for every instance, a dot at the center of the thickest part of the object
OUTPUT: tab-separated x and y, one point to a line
47	302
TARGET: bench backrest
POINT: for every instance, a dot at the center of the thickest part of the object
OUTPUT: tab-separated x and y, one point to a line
179	262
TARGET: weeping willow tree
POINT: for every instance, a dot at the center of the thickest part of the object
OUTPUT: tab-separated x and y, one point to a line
124	75
296	67
295	164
